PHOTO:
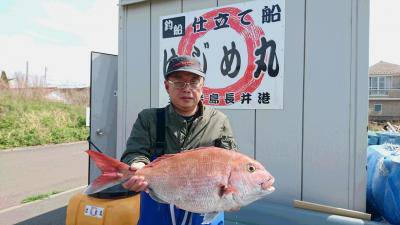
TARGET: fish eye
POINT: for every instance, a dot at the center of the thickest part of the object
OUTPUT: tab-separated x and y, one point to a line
251	168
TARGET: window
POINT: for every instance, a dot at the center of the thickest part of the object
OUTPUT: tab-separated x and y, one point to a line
380	85
378	107
396	82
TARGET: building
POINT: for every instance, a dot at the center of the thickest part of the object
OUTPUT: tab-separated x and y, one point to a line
384	91
291	140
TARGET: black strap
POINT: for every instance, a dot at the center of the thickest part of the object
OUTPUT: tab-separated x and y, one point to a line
160	132
91	143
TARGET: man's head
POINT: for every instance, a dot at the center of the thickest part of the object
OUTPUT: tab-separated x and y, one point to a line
184	81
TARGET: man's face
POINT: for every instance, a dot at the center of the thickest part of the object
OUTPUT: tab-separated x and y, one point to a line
186	98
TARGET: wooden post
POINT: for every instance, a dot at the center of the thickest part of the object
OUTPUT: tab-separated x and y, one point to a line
331	210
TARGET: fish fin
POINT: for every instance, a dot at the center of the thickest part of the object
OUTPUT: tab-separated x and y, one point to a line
106	163
97	186
111	170
157	160
204	148
209	217
226	190
155	197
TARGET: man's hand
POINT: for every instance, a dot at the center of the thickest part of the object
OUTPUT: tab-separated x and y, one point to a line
136	183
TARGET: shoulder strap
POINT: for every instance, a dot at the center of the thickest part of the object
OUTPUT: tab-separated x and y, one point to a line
160	130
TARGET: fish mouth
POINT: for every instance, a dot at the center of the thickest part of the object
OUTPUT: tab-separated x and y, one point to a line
267	190
267	185
270	189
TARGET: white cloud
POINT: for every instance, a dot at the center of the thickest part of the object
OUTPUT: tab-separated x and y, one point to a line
384	31
96	29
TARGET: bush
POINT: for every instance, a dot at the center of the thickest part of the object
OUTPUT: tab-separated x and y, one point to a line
27	121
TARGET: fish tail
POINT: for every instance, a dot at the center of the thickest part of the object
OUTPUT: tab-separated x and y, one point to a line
112	172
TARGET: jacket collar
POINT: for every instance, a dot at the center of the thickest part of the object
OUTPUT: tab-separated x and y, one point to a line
175	117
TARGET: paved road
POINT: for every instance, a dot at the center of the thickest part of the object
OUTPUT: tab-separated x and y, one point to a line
39	170
51	211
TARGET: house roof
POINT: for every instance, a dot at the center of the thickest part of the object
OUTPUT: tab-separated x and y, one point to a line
384	68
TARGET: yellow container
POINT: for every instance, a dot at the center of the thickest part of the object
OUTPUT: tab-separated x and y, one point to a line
86	210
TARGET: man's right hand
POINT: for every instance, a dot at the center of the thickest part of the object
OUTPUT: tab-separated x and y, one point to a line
136	183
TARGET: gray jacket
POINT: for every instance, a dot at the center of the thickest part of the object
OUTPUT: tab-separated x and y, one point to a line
210	128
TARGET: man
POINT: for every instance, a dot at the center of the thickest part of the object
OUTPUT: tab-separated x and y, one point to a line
188	124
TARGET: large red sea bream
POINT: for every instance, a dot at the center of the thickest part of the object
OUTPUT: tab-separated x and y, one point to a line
203	180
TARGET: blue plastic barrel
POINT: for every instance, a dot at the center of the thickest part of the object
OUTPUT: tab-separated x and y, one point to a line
383	182
373	138
389	138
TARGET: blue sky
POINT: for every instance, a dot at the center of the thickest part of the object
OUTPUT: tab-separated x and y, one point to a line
25	16
60	34
57	34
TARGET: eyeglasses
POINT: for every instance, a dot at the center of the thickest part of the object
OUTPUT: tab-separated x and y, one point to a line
182	85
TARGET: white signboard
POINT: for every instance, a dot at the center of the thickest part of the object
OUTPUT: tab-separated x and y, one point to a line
241	48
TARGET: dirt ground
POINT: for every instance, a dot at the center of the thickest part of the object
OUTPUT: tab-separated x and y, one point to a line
383	125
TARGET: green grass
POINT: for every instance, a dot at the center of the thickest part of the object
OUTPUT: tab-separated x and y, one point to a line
39	197
36	121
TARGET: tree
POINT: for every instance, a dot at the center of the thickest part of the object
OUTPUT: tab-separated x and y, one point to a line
4	80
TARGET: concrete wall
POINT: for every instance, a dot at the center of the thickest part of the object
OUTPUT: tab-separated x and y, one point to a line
390	110
326	50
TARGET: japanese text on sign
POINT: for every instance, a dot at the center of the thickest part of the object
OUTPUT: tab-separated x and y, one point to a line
241	48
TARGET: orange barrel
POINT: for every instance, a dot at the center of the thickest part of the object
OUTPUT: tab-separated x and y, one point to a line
113	206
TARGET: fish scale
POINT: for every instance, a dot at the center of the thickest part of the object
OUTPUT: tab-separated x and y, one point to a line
202	180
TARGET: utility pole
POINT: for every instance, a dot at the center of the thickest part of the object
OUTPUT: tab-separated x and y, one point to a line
45	76
26	74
